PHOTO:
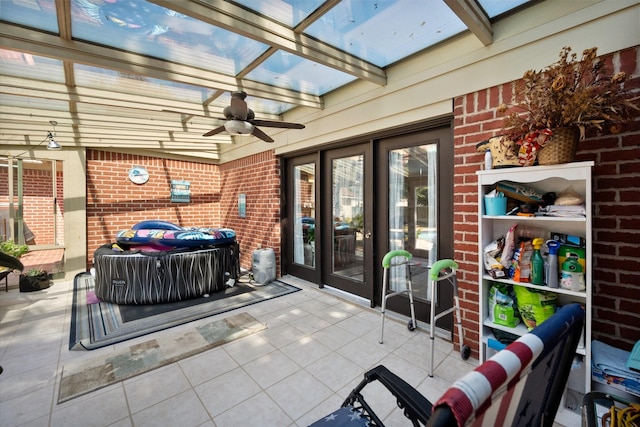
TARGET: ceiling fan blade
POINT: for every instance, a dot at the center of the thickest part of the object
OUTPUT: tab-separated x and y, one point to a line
214	131
238	107
276	124
263	136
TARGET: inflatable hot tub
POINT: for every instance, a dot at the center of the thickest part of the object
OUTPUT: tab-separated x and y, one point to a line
151	266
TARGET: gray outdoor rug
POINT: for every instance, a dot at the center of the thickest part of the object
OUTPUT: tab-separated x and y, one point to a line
96	324
84	376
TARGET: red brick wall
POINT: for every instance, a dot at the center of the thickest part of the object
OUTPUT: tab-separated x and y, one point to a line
616	209
114	203
258	177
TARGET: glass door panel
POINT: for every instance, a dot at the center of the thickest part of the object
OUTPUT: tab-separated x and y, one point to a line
31	201
301	228
347	209
413	212
347	213
304	241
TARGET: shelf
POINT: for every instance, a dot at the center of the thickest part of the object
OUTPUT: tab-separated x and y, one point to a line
519	330
544	179
578	294
534	218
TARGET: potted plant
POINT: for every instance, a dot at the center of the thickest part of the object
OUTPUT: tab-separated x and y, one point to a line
34	280
15	250
564	100
10	252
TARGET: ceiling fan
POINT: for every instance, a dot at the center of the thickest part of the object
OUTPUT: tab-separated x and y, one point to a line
241	120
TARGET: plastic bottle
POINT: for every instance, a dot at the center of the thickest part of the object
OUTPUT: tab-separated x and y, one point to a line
572	275
537	263
488	160
552	262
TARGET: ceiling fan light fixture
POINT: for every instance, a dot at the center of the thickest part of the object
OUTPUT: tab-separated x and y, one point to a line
238	127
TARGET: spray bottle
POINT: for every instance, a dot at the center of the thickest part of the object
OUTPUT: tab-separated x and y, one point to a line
537	263
552	264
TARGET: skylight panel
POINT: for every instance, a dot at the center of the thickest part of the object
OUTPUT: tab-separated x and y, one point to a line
494	8
31	13
293	72
385	31
287	12
101	78
22	64
148	29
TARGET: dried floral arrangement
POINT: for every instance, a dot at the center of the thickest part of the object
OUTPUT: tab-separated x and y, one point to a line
571	93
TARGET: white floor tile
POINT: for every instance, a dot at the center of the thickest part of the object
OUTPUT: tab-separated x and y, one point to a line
271	368
184	410
207	365
298	393
153	387
227	391
259	410
313	352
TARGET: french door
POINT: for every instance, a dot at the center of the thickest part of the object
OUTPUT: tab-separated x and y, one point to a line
301	225
347	210
414	212
347	207
327	227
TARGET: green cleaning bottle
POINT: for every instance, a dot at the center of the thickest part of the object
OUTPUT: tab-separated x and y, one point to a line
537	263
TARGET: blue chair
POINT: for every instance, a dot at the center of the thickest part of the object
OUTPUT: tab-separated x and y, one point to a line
522	385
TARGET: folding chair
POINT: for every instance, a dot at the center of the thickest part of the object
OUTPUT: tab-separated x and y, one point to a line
521	385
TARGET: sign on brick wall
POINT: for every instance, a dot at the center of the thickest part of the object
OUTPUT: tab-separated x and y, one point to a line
180	191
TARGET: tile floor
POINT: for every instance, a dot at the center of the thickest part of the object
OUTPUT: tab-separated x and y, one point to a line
315	349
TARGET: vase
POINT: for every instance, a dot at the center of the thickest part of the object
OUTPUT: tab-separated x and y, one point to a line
561	148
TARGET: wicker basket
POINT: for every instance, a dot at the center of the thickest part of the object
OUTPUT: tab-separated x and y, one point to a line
561	148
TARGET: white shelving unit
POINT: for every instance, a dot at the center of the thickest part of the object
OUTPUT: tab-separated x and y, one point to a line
544	179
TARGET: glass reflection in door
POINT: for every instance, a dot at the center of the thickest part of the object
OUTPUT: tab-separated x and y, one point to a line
413	213
347	209
305	214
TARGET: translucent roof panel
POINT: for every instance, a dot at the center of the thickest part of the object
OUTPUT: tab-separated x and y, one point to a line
265	106
494	8
20	64
287	12
101	78
382	32
36	14
289	71
34	103
145	28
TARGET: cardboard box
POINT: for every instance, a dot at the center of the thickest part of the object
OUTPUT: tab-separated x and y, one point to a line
618	383
568	239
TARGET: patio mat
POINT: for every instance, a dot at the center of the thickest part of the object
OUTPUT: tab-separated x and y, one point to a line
100	324
84	376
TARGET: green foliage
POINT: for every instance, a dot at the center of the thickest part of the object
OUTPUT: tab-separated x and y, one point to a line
35	272
13	249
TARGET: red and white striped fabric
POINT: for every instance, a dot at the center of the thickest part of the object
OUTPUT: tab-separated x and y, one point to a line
522	383
477	392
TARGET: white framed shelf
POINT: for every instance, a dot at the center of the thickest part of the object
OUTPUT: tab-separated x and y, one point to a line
559	291
554	178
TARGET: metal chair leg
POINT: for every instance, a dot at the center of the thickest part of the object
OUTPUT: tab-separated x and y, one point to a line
432	325
384	300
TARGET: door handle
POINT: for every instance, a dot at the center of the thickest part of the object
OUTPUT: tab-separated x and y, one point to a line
367	235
